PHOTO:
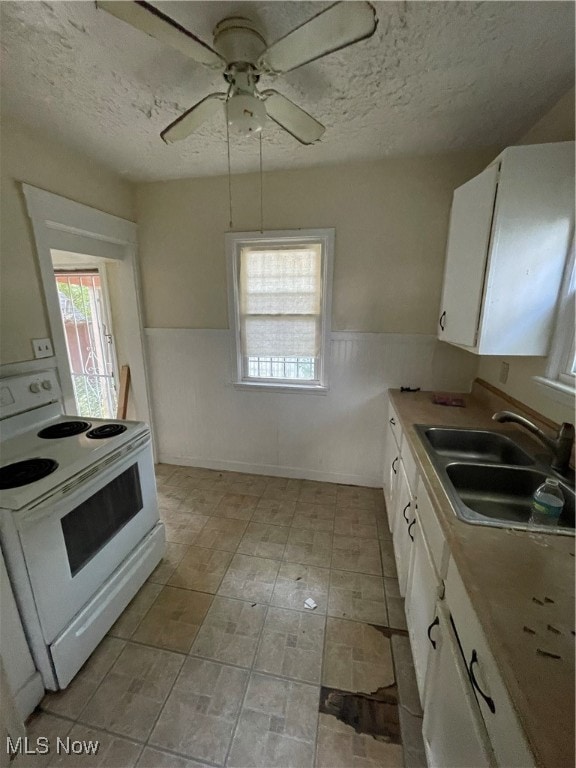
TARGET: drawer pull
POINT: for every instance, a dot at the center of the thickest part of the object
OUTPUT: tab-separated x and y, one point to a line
487	699
393	421
435	623
406	508
394	465
409	527
442	318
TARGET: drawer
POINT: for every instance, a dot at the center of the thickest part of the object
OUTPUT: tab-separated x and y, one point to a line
394	424
506	733
432	532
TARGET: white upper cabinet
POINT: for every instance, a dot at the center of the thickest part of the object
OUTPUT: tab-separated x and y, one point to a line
509	237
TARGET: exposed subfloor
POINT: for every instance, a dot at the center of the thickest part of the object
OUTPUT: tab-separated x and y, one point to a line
217	661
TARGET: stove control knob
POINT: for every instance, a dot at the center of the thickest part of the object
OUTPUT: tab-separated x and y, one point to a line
35	387
46	384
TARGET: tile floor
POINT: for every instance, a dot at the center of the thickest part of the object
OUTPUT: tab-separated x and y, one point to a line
216	662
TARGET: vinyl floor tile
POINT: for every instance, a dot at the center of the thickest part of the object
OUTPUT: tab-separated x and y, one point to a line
356	554
126	625
132	693
309	547
250	578
73	698
264	540
236	505
109	751
277	725
357	658
274	512
201	569
357	596
157	758
199	716
296	583
339	746
174	619
314	517
291	645
230	631
172	557
221	533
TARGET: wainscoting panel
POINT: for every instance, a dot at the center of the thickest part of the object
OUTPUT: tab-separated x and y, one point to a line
202	420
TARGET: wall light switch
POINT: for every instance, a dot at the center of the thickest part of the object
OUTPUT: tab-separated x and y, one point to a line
504	368
42	348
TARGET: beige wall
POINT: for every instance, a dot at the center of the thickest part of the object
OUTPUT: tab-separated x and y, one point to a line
390	217
27	157
556	125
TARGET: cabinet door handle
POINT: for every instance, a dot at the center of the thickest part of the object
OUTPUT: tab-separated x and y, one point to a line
442	317
487	699
406	508
410	526
435	623
394	465
393	421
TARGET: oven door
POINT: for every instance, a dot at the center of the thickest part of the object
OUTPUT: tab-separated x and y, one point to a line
73	543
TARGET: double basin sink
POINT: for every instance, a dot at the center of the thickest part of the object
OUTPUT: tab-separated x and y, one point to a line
490	479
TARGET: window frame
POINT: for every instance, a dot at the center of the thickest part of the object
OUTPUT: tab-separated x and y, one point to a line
234	242
559	382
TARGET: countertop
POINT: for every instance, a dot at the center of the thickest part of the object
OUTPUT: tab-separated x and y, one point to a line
503	570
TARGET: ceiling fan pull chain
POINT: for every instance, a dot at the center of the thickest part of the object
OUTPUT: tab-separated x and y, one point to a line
229	171
261	187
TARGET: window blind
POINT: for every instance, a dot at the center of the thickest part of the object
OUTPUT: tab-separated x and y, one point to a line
280	303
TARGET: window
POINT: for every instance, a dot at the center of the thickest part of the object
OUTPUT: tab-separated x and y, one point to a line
561	370
279	297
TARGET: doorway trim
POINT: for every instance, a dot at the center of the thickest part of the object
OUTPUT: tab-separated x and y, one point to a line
62	224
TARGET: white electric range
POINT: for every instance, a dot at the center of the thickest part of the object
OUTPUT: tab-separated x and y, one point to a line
79	524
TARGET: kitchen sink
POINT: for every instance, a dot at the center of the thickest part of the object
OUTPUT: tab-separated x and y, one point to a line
490	480
476	445
504	493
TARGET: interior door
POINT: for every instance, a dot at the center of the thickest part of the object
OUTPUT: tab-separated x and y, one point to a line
466	258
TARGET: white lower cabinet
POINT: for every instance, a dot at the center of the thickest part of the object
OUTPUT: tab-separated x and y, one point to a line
402	533
392	443
453	730
506	734
422	592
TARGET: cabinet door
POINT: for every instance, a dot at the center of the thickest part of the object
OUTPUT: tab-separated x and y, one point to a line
404	520
391	469
466	258
421	596
453	729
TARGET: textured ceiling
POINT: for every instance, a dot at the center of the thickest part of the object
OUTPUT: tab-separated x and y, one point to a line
437	76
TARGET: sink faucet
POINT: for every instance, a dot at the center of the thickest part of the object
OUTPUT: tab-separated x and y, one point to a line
561	445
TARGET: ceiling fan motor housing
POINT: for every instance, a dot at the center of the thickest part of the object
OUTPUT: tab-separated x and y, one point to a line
239	40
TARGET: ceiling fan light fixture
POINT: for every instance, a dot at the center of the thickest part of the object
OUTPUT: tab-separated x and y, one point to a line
246	114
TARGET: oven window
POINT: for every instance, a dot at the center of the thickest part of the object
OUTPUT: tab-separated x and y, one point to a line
90	526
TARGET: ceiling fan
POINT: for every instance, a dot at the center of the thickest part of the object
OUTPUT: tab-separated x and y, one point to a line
240	50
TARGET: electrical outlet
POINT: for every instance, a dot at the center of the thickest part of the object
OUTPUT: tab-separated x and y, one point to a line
42	348
504	368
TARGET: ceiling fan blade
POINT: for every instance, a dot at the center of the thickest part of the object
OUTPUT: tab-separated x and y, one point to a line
292	118
330	30
193	118
153	22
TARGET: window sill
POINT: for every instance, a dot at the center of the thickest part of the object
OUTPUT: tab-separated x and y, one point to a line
287	389
556	390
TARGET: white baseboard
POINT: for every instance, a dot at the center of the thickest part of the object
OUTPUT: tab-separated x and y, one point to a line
273	471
